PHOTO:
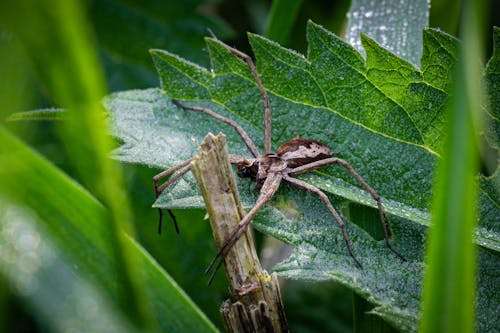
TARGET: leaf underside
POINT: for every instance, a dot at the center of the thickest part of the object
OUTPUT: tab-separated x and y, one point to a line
382	115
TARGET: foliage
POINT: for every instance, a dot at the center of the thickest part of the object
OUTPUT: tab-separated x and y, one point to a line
385	118
64	255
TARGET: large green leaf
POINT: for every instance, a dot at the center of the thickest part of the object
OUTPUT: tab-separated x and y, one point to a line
156	133
384	117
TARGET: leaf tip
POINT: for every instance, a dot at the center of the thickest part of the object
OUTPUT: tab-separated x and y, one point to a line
365	38
154	51
312	24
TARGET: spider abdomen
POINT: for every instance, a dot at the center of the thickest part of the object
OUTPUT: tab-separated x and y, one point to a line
300	152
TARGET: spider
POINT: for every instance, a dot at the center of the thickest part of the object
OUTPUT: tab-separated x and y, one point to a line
268	170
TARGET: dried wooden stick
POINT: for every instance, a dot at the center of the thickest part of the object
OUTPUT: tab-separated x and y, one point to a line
256	304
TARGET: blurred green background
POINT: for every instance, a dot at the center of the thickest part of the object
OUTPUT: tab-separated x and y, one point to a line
121	32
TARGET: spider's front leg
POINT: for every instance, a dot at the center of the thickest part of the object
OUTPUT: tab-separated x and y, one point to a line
181	169
373	193
184	166
270	186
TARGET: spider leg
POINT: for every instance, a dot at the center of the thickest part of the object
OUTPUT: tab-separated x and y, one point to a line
376	197
250	144
265	98
271	185
373	193
159	190
332	210
184	166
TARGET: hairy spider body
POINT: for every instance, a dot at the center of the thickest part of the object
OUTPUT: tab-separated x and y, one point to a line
268	170
291	154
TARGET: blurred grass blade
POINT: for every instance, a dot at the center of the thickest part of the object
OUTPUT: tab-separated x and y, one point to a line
449	283
281	19
39	274
57	38
77	223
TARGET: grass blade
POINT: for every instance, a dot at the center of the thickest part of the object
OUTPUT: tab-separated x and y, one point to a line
449	283
58	41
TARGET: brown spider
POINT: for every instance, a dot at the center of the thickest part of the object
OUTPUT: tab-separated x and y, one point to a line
268	170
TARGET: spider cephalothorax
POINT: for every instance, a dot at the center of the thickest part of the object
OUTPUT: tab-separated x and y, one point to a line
268	170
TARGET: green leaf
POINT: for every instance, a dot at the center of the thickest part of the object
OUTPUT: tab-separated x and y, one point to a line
79	224
374	115
396	25
153	135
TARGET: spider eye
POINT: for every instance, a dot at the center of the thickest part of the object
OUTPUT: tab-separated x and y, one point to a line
243	172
